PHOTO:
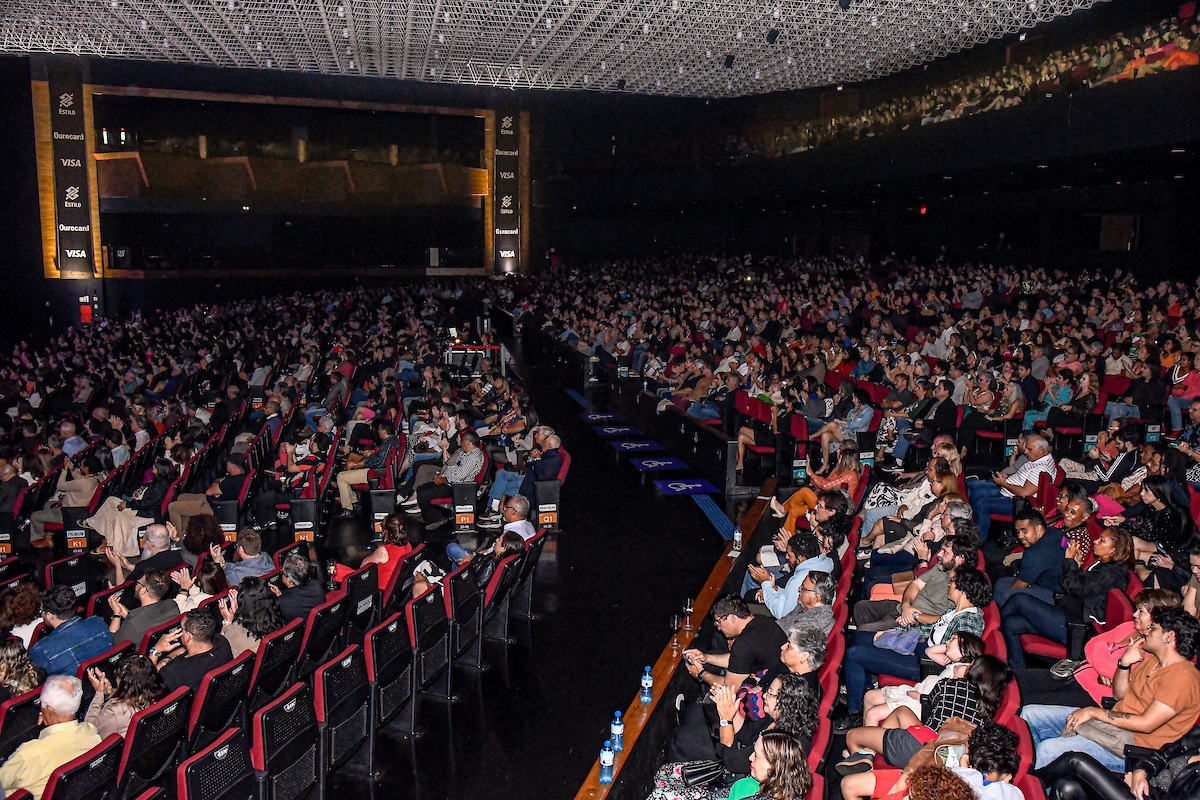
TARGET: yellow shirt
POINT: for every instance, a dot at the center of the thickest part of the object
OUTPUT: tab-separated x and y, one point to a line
30	766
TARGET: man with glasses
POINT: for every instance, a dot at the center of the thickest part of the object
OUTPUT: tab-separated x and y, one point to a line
1157	689
756	642
130	625
814	609
185	656
995	496
516	520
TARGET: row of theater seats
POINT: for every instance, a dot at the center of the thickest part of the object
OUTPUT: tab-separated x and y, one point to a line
273	724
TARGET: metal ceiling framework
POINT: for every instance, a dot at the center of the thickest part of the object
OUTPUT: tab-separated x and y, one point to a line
663	47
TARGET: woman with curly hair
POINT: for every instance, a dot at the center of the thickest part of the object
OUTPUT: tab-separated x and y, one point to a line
18	674
201	532
21	610
789	705
250	612
138	686
933	782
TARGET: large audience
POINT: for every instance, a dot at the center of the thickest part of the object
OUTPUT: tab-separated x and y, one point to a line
998	466
139	433
1025	539
1126	55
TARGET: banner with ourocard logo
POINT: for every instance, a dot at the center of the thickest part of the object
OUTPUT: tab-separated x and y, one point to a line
506	195
72	206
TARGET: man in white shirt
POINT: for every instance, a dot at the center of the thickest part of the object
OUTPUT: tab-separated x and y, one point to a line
995	496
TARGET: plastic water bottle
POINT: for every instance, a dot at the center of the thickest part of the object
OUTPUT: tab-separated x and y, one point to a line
737	538
607	757
647	686
617	731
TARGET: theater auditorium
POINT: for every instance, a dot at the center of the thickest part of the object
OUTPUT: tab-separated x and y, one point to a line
599	399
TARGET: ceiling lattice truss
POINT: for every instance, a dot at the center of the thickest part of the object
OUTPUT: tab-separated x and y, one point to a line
671	47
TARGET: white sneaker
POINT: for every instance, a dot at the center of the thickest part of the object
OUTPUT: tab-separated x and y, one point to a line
489	522
410	502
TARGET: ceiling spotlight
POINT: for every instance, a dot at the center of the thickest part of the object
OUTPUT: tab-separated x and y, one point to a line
1021	38
772	36
729	59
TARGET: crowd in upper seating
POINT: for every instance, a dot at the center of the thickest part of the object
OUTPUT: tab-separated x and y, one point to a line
1169	45
179	445
1026	540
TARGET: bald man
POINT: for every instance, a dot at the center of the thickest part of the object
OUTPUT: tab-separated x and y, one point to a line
11	485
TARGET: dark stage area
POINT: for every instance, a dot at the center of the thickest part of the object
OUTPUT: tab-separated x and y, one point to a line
532	724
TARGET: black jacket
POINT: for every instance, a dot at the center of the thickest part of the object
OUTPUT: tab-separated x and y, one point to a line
295	603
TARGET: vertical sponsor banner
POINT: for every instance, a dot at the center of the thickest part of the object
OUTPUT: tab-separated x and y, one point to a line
72	205
506	193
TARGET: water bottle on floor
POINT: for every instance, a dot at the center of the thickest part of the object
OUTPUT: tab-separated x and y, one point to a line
647	686
737	539
617	731
606	762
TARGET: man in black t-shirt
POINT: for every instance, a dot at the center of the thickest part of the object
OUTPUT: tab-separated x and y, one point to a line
183	658
756	645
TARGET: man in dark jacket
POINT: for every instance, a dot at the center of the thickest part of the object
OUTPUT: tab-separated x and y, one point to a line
940	416
301	594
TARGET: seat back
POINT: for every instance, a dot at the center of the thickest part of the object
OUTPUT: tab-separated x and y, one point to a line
994	644
283	745
91	776
388	653
154	742
529	559
502	581
1031	788
220	771
322	630
1119	611
107	663
343	696
1009	704
98	603
463	608
73	571
219	700
19	721
162	629
362	589
295	547
401	576
565	467
277	656
428	627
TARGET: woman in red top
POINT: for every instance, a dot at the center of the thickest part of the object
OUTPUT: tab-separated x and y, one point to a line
393	551
1185	385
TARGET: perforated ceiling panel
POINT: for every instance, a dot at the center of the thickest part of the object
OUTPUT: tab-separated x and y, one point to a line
676	47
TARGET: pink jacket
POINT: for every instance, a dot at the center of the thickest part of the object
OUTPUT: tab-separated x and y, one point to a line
1188	387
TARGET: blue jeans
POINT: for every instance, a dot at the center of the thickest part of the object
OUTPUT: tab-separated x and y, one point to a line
1046	724
1178	405
1004	590
1114	410
986	499
456	551
311	414
506	483
1024	613
865	658
902	442
704	410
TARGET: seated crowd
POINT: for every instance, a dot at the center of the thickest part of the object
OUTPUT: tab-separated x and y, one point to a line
1127	55
1024	554
147	431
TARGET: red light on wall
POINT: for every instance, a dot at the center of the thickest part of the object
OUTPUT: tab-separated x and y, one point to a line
923	210
85	314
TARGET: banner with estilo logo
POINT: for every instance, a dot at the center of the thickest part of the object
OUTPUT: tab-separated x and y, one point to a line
72	206
506	196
